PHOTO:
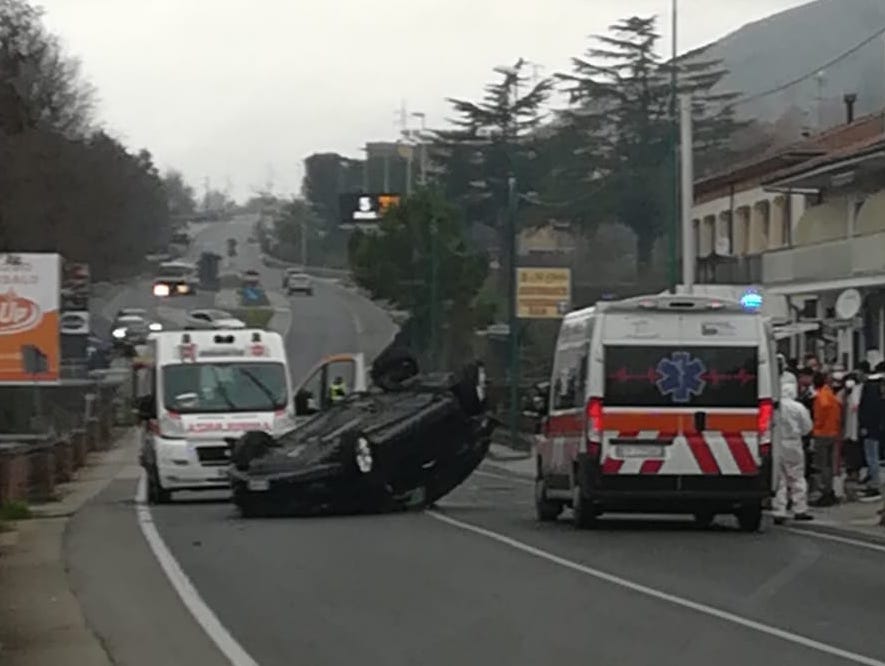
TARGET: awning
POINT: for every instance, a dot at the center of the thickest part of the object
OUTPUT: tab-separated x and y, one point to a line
798	328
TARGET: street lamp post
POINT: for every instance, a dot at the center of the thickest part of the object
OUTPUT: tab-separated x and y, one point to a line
513	321
674	133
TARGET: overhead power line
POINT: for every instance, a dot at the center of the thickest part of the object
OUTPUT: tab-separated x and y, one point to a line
789	84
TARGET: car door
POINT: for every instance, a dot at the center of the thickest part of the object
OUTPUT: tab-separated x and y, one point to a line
313	394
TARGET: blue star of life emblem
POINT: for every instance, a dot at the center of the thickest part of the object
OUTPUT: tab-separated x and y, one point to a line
681	376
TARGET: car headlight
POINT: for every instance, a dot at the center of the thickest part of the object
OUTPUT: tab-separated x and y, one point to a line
363	455
161	290
183	289
119	333
156	326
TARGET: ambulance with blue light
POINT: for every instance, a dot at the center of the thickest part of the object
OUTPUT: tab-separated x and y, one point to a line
203	389
660	404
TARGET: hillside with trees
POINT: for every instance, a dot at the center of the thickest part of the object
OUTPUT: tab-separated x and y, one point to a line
66	184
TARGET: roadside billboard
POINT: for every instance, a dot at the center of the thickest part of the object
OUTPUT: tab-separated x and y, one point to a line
365	210
543	293
30	344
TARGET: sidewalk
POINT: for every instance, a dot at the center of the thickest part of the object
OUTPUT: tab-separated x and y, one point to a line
848	519
41	622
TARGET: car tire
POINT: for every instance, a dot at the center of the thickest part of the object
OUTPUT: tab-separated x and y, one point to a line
156	494
750	518
547	511
470	394
583	512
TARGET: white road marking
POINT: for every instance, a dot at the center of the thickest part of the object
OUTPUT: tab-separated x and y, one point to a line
503	477
189	595
838	539
357	324
711	611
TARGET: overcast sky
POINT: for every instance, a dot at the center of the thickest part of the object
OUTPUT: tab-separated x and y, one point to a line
240	91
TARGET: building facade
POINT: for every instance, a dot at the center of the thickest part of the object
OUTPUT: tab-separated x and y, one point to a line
806	224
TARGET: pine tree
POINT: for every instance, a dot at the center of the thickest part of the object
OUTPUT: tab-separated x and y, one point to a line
621	97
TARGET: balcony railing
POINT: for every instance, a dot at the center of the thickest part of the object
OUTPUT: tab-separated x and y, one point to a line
831	260
716	269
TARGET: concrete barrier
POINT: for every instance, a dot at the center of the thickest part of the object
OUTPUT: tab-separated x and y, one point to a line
79	447
13	473
41	473
63	451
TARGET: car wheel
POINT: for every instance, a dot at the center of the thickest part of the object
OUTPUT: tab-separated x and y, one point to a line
750	518
156	494
583	513
703	519
546	510
470	389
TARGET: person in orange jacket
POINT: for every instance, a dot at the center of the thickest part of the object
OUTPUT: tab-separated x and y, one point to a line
827	429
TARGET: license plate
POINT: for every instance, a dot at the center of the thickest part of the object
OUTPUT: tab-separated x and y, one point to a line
258	485
640	451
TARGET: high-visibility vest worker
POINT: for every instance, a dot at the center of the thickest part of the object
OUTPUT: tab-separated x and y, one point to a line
338	390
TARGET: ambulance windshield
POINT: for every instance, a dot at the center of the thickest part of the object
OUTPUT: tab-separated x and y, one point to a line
681	376
190	388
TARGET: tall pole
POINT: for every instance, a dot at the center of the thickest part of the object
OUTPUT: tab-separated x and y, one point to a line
674	86
434	293
688	250
513	321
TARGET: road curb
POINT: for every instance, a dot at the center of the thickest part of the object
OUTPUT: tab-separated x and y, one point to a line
837	531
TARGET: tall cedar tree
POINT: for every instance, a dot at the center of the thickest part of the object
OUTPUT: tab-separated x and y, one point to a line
621	99
493	139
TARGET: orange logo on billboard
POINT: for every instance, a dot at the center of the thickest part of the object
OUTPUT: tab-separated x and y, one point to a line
17	313
386	201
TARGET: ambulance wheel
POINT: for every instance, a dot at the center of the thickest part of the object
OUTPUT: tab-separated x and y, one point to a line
703	519
583	512
547	510
156	494
750	518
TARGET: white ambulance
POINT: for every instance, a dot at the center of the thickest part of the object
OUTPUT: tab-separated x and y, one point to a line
203	388
660	404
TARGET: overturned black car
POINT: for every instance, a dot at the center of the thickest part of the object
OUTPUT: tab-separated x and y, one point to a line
404	443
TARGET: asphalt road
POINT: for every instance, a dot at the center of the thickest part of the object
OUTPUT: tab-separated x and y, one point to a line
476	582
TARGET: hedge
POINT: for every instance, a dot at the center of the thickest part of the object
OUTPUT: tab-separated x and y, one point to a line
254	317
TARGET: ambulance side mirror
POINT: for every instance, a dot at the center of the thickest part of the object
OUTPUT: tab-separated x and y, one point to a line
146	408
305	403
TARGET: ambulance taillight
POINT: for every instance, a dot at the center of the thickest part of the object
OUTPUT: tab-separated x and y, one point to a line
594	427
763	425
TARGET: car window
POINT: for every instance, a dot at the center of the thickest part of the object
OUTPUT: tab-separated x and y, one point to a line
674	376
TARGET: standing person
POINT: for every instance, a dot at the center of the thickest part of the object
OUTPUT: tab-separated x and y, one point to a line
851	431
795	424
871	423
805	380
812	363
827	429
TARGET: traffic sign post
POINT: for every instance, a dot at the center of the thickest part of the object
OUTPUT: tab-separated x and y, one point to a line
543	293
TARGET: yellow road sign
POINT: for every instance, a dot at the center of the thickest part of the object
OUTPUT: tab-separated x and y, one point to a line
543	293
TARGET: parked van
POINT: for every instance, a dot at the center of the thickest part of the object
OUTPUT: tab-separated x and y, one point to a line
203	388
660	404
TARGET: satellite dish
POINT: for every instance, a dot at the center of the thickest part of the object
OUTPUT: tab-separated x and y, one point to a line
848	304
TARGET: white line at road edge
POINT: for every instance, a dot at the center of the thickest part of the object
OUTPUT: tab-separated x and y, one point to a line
838	539
662	596
192	600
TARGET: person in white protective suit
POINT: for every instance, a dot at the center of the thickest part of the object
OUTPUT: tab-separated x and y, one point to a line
795	423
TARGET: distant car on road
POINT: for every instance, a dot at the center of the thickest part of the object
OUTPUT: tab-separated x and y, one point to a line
298	282
175	278
130	329
212	319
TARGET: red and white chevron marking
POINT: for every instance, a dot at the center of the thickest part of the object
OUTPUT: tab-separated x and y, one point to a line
709	453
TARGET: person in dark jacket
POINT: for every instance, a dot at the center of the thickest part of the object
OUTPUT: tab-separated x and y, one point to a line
871	426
